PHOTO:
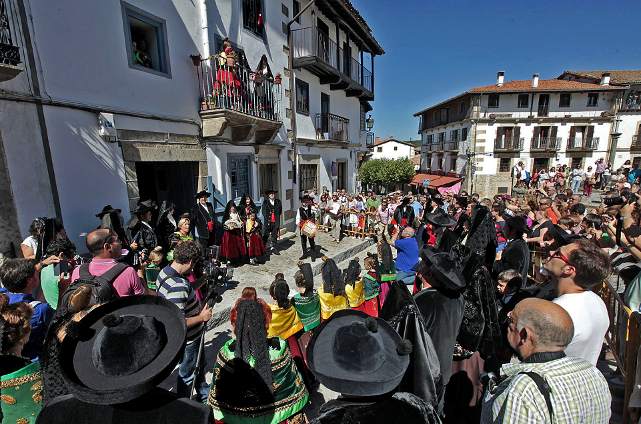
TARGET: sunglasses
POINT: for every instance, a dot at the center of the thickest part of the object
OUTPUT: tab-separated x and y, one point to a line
561	256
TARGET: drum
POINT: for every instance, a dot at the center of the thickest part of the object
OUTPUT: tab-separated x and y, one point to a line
309	229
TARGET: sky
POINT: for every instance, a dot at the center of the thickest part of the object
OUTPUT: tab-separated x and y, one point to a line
437	49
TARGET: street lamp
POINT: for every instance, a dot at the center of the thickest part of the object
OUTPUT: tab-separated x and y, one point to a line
369	122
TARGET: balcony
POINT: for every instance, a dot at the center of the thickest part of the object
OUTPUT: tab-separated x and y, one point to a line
319	54
237	105
545	144
451	146
332	128
437	146
508	144
582	144
9	52
636	142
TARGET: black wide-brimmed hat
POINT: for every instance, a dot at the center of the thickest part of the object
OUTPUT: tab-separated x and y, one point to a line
440	218
357	355
444	270
203	193
143	208
270	191
105	210
122	349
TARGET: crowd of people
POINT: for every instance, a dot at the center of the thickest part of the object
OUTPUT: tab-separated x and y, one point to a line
472	309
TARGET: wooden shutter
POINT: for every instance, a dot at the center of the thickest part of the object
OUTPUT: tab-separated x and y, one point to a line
588	139
552	142
516	138
590	132
572	137
537	131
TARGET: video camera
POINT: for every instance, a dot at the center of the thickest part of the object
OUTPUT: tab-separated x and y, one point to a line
215	276
625	197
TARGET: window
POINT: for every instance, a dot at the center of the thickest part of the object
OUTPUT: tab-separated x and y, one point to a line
253	19
444	114
454	135
441	137
308	177
524	100
430	139
504	165
285	10
462	107
239	175
296	10
576	162
493	100
435	116
302	97
146	41
463	134
564	100
395	148
379	149
593	99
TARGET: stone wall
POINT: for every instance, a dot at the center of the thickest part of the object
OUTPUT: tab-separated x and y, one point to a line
489	185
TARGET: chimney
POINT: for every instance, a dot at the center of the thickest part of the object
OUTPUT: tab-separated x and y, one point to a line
535	80
605	79
500	77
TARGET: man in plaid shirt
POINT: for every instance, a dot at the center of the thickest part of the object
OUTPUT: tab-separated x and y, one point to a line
546	386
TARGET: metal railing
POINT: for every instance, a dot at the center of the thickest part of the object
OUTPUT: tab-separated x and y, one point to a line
623	340
332	127
508	143
310	42
546	143
239	89
582	143
451	145
9	52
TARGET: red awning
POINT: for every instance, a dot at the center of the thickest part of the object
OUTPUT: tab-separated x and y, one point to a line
435	180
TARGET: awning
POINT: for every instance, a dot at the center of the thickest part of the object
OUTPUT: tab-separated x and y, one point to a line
435	180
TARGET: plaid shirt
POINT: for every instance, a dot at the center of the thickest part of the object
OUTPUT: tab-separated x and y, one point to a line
578	391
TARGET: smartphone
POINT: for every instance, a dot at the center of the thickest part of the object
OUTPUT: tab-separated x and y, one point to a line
61	267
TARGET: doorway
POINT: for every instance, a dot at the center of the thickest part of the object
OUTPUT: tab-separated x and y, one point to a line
323	40
341	174
268	177
540	163
174	182
325	114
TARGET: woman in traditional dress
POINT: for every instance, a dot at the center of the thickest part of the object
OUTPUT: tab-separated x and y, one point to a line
386	268
232	247
246	206
255	379
307	304
183	234
253	231
371	286
354	285
332	292
20	379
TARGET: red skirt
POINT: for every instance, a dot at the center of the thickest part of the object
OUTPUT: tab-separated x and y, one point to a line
233	245
256	245
370	307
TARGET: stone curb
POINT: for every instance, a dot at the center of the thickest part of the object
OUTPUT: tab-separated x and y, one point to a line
222	316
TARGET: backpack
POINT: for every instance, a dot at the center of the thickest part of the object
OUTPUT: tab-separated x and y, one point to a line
102	290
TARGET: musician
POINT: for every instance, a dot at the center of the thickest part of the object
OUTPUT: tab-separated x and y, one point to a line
272	210
304	215
202	216
233	247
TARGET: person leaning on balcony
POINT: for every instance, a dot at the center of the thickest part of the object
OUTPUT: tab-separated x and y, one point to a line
546	386
227	83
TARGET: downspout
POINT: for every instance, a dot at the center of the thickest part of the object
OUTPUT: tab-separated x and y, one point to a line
615	133
292	92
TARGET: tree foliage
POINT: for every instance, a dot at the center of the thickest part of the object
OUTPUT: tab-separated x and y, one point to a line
386	172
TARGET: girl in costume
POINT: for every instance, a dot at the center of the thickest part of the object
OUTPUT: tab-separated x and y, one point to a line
181	234
153	267
354	285
307	304
371	286
20	379
332	293
386	268
253	231
285	322
233	247
255	380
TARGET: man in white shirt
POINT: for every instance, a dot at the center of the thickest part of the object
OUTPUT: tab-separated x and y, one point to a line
576	269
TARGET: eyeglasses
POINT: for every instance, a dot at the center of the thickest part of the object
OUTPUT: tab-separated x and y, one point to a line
511	322
558	255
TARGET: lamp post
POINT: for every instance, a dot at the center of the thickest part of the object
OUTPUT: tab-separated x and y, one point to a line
369	123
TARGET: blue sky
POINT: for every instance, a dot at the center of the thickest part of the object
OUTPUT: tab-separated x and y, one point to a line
437	49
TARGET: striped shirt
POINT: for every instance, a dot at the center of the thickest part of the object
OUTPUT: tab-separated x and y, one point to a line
176	289
578	391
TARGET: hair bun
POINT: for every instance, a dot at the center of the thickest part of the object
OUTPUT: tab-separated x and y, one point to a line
111	320
404	347
371	324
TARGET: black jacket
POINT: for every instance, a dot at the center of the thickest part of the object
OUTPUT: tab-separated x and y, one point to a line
406	212
268	208
516	255
200	218
305	213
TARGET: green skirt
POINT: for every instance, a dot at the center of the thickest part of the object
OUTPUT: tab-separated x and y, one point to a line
21	394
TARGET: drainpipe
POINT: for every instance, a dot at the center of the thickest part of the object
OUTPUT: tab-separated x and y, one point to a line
292	92
615	133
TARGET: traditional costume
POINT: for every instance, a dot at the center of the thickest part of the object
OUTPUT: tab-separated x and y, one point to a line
386	268
332	292
112	360
255	379
371	290
308	305
255	245
354	286
203	222
166	224
232	247
364	359
305	215
271	211
20	389
144	233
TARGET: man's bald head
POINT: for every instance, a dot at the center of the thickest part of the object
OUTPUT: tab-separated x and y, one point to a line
551	324
97	239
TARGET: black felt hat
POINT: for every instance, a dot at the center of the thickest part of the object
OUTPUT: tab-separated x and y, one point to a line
105	210
203	193
444	270
146	206
270	191
122	349
440	218
357	355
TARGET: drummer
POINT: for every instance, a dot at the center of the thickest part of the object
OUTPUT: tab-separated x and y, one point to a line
307	225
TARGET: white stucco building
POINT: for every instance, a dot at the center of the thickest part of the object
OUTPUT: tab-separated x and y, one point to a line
120	101
391	148
483	132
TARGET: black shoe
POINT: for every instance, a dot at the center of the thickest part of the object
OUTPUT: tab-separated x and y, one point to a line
275	251
302	258
313	258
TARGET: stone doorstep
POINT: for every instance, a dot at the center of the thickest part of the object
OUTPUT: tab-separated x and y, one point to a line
221	317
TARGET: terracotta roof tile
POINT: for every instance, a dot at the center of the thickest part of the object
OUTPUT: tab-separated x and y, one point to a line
544	85
632	76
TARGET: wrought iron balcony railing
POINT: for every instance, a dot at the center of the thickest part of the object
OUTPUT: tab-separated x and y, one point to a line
239	89
582	143
332	127
9	52
452	145
546	143
508	144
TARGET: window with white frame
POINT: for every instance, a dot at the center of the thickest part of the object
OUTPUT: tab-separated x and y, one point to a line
146	40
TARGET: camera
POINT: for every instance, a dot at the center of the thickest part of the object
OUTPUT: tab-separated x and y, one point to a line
215	276
628	198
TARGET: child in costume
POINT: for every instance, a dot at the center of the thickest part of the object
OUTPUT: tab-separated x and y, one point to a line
307	304
386	268
371	286
153	267
354	285
332	293
285	322
255	245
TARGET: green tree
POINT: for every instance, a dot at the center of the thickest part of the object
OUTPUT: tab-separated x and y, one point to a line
386	172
